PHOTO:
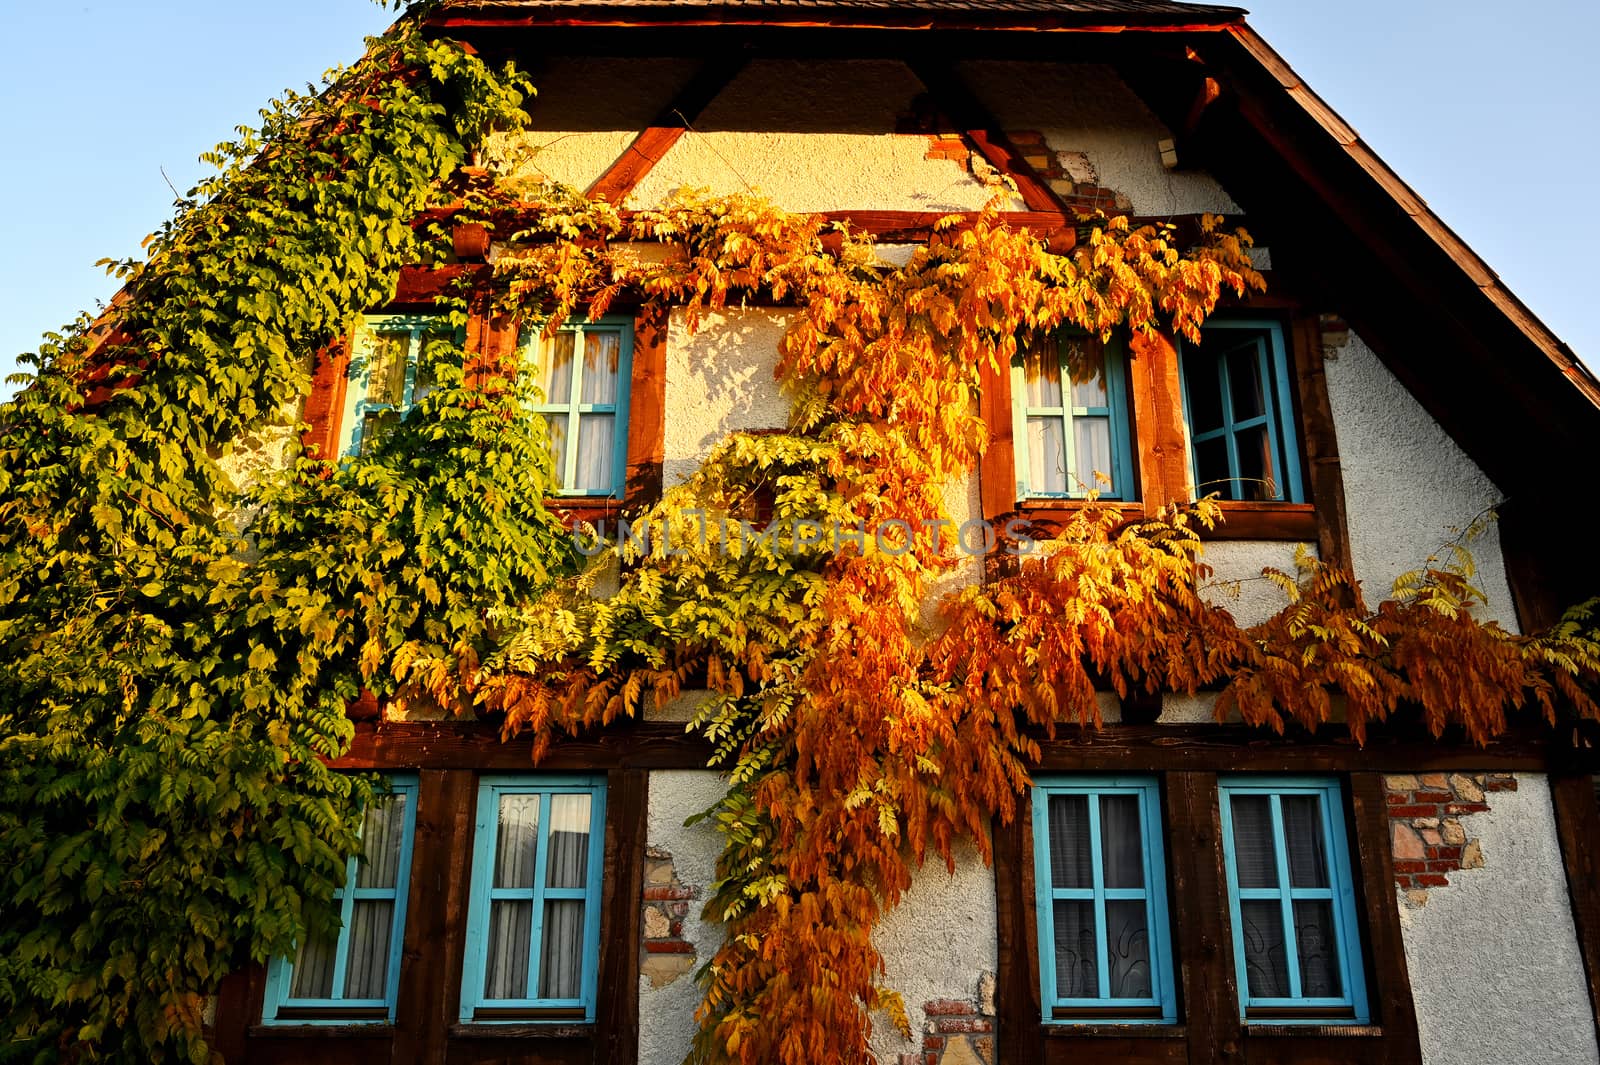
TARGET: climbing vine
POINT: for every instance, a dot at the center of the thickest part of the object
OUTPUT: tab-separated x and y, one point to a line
184	648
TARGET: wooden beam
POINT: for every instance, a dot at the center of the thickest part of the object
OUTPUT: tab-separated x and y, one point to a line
478	745
1200	905
655	141
1324	472
983	133
1389	992
1160	438
1578	828
616	1018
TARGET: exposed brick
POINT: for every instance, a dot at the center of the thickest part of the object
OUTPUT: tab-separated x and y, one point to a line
1410	867
668	946
1467	808
1430	880
1413	811
955	1025
933	1042
1433	796
1435	780
949	1007
1499	782
655	894
1397	800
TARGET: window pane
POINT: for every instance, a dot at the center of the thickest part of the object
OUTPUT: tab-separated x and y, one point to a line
602	357
366	970
1257	479
1121	841
1077	965
516	841
313	970
1245	386
1204	389
1086	362
1254	853
422	381
375	425
1070	865
561	961
1211	468
596	455
1303	836
1265	967
1092	440
510	944
1047	455
557	424
381	837
568	857
555	380
386	374
1042	371
1317	942
1128	948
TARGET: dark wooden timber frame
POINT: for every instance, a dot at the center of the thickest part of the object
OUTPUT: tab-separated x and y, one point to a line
426	1030
1578	828
1208	1028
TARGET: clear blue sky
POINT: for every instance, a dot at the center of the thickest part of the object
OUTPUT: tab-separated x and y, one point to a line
1487	108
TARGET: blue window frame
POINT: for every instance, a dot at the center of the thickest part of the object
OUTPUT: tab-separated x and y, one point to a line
1238	403
1071	431
355	977
533	916
1105	949
584	374
386	375
1291	900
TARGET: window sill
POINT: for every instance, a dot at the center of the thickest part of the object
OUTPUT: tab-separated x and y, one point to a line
521	1030
326	1030
1101	1029
1295	1031
1241	521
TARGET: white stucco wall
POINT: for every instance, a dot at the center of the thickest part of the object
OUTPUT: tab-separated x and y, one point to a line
666	1014
937	944
1236	583
1408	487
1495	970
720	379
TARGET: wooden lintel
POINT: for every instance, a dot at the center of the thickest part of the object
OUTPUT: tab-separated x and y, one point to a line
983	133
655	141
1210	91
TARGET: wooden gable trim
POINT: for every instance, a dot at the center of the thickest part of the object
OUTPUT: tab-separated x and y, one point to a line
1318	435
655	141
983	133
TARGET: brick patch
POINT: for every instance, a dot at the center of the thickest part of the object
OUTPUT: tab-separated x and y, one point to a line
665	954
958	1031
1426	832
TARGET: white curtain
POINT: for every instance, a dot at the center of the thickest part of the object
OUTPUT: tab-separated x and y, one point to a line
1265	938
511	920
602	361
567	866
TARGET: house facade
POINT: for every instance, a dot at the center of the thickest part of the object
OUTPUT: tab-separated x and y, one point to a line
1178	889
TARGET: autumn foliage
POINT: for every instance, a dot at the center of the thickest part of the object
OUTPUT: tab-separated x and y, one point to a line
861	733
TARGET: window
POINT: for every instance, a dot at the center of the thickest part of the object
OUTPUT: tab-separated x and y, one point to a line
1291	901
386	376
533	919
1105	951
355	977
1069	414
585	403
1236	399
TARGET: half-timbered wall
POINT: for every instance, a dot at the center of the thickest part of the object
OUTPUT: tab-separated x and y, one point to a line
1494	965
